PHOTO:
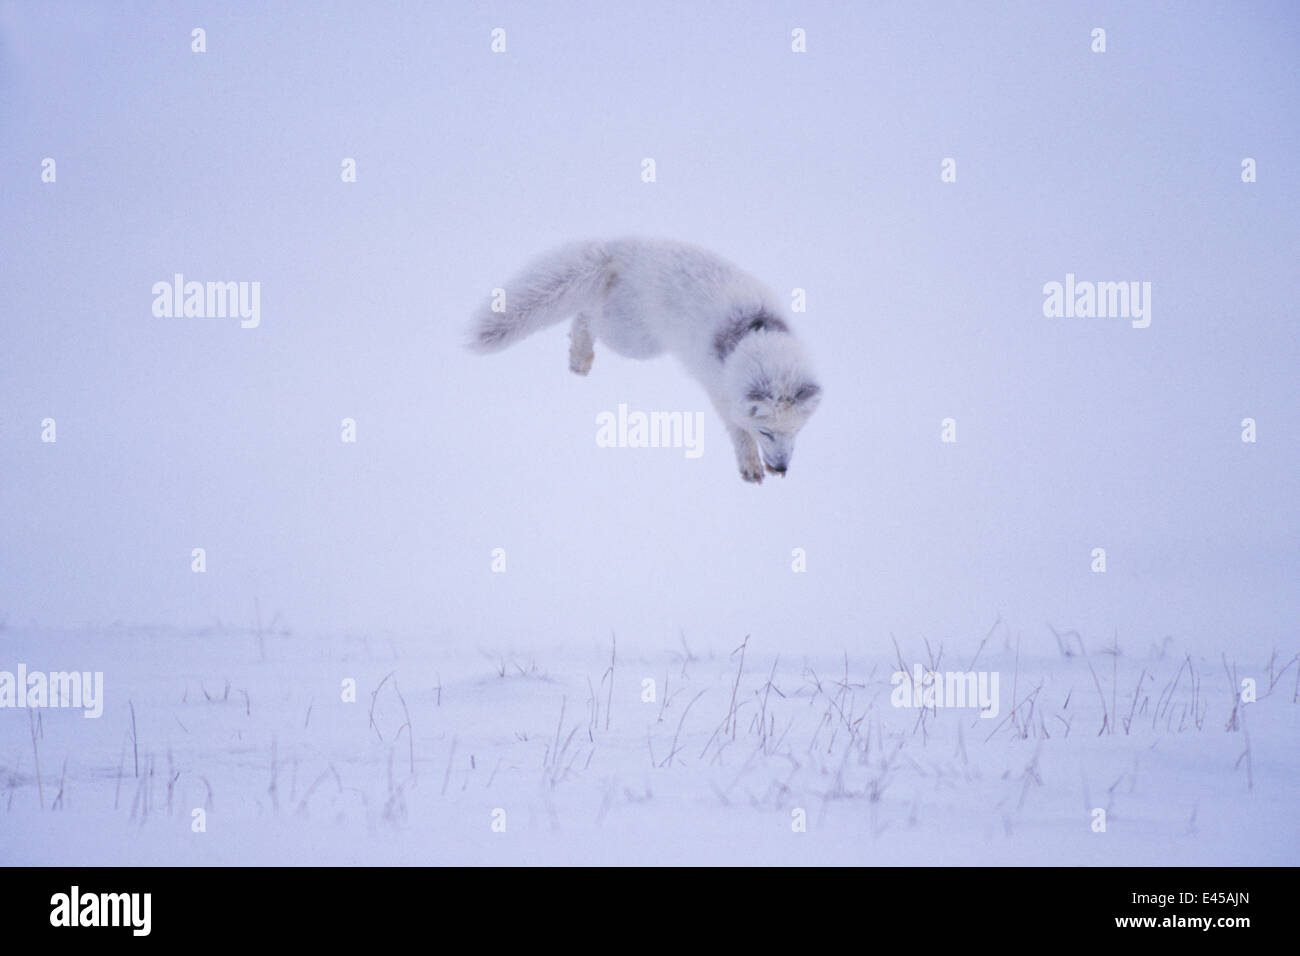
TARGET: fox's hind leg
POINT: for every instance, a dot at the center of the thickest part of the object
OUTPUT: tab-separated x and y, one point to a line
581	345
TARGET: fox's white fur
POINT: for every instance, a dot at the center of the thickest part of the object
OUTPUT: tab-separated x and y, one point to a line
645	297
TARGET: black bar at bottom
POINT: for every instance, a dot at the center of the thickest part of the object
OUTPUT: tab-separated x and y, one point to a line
333	905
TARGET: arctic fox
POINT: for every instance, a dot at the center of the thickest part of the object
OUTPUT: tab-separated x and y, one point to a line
645	297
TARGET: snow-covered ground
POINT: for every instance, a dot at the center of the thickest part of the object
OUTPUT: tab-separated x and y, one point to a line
562	747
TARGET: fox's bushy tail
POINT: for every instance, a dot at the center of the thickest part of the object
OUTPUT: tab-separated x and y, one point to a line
553	288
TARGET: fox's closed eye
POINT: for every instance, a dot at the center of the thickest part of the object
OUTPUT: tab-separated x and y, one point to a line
768	435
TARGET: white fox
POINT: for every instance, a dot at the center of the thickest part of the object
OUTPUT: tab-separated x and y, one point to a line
645	297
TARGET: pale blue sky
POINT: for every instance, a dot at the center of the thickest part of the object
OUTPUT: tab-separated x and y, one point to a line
818	170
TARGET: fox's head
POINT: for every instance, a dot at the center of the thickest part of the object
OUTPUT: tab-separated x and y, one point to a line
772	393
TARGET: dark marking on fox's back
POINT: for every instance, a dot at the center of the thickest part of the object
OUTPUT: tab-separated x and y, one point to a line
725	342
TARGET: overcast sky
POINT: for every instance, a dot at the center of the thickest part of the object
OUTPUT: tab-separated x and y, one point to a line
816	170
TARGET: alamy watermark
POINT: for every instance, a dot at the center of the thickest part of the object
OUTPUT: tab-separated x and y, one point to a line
626	429
208	300
1101	300
75	908
59	689
949	689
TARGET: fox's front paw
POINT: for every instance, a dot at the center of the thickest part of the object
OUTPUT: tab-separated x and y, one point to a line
580	362
752	470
